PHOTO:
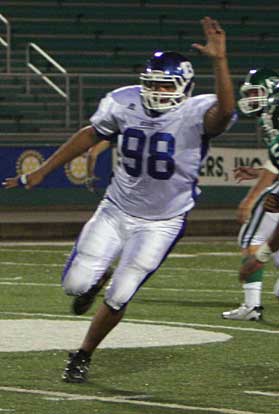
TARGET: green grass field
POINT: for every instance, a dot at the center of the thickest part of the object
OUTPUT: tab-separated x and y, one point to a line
237	376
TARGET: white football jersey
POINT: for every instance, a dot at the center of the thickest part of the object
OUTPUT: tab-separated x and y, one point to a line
159	157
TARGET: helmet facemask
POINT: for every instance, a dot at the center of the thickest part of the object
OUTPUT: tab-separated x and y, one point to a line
257	90
159	100
254	98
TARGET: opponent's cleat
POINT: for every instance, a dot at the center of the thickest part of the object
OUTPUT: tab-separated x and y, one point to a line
244	313
77	367
82	303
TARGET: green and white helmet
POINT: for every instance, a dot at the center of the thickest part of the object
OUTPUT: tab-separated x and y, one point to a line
258	86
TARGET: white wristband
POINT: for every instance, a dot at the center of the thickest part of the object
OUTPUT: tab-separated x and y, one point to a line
22	180
263	253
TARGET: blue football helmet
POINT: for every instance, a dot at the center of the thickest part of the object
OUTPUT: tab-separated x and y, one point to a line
167	81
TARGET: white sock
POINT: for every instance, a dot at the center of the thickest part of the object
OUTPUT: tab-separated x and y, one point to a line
253	293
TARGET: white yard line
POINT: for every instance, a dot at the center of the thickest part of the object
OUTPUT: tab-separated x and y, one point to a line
33	251
9	281
125	400
147	321
37	243
198	269
45	315
11	278
71	243
162	273
30	264
198	290
185	255
31	284
201	325
171	255
263	393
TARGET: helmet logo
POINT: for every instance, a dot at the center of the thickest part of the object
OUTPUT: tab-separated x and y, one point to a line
187	68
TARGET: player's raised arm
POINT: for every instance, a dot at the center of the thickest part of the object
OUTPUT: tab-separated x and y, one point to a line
217	117
75	146
266	178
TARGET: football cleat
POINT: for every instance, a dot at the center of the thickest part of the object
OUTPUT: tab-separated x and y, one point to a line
82	303
244	313
77	367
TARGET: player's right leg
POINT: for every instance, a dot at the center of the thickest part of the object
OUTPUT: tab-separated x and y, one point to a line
88	267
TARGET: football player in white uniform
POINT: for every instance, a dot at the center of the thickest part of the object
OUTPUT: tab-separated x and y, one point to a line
164	135
258	212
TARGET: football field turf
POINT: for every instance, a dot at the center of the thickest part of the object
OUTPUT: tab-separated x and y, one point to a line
172	354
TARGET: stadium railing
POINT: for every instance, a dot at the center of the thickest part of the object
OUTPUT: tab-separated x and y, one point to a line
6	42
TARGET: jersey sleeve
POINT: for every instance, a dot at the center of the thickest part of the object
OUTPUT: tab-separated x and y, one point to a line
103	120
201	107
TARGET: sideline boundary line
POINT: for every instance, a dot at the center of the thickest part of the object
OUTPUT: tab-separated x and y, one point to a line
121	400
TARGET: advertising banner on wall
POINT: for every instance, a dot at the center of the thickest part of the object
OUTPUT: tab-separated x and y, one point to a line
220	163
22	160
217	169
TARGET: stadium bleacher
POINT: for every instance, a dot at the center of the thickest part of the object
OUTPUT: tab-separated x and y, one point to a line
115	38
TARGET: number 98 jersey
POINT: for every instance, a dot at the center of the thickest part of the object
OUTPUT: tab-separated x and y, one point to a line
160	156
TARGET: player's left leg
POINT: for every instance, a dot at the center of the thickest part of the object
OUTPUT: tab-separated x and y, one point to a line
78	364
147	245
251	309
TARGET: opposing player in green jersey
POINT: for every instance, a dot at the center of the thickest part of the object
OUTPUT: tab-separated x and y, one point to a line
258	212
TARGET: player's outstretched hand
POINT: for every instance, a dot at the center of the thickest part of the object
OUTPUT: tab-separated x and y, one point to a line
250	265
11	182
91	182
27	181
215	39
246	173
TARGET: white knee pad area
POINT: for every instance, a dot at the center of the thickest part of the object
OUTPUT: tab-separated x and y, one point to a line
80	276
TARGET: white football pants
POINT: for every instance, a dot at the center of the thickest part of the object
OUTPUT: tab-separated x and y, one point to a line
259	227
141	246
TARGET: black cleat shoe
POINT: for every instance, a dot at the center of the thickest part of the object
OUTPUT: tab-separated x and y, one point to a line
77	367
82	303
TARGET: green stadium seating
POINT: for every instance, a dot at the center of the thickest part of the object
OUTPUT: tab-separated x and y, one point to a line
94	37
